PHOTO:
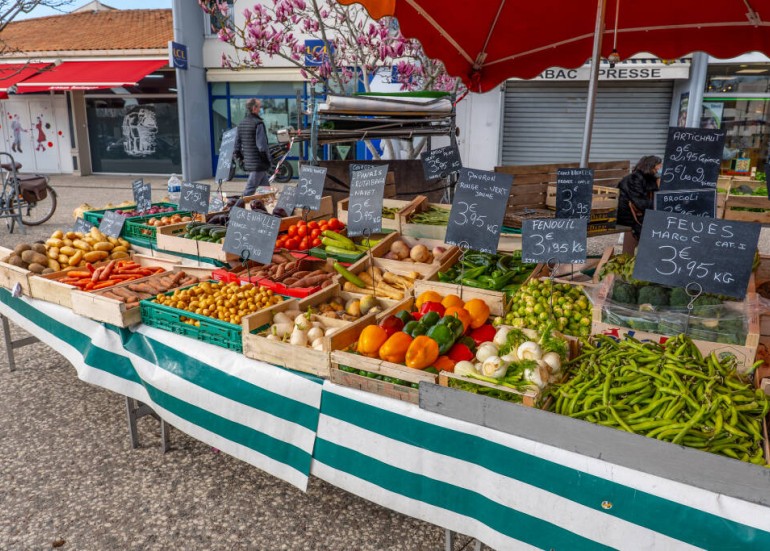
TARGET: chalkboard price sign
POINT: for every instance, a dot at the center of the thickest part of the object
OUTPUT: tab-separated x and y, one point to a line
252	234
112	224
693	158
574	190
695	202
441	162
478	209
310	186
287	200
367	187
216	204
561	240
194	197
226	149
82	225
676	249
142	195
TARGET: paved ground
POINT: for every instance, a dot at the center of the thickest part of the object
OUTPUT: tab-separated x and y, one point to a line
67	473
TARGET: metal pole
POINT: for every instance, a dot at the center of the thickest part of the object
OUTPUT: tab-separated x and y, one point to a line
181	82
593	83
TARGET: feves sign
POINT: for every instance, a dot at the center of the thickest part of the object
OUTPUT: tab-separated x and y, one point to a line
677	249
561	240
478	209
693	158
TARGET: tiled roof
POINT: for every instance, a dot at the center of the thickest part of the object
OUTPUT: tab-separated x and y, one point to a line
100	30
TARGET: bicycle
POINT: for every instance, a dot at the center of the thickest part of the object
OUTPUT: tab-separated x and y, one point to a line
27	199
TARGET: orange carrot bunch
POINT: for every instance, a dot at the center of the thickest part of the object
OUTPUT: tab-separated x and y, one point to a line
112	273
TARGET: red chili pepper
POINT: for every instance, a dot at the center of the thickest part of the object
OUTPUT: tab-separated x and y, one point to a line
432	307
460	353
485	333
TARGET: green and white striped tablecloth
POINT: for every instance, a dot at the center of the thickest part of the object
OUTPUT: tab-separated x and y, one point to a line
256	412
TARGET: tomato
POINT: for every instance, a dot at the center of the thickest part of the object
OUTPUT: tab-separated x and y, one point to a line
280	242
292	230
323	227
316	242
304	245
301	223
334	224
315	233
292	244
302	231
312	225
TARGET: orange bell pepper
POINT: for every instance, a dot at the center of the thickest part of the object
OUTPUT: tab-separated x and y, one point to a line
444	363
422	352
461	313
394	349
427	296
371	339
479	311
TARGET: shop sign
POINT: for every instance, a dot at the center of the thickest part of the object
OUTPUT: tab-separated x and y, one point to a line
315	53
178	55
621	71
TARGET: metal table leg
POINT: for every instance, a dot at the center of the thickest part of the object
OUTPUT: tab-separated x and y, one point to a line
449	541
135	410
11	345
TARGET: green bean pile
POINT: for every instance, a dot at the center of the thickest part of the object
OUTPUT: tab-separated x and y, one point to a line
669	392
431	217
390	212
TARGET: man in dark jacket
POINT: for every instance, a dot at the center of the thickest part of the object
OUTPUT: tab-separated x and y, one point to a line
251	147
636	196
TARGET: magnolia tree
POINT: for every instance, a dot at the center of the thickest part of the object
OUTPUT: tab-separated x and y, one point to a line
355	48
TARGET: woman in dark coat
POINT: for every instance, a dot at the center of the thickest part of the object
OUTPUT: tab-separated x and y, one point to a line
636	196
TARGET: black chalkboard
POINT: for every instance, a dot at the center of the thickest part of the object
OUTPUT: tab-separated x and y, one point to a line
693	158
287	200
251	234
112	223
676	249
226	149
561	240
216	204
311	186
82	225
441	162
367	187
142	195
194	196
695	202
574	190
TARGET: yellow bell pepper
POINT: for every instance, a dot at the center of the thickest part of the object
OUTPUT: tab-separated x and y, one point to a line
479	311
422	352
371	339
394	349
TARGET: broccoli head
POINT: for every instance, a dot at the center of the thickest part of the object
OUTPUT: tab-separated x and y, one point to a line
706	306
679	298
623	292
654	295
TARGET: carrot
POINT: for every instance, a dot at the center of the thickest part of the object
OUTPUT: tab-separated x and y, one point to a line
107	270
78	274
103	284
90	267
97	274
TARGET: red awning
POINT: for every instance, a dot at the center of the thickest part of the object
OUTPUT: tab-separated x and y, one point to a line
13	73
91	75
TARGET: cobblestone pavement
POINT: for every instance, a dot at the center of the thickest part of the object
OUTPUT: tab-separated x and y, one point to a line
68	473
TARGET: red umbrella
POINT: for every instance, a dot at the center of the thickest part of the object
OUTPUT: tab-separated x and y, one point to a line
488	41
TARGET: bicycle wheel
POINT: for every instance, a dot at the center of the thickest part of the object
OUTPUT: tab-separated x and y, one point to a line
35	213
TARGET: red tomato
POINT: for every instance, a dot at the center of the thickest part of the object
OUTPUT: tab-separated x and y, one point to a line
292	244
302	231
316	242
292	230
304	245
323	227
315	233
334	223
280	242
301	223
312	225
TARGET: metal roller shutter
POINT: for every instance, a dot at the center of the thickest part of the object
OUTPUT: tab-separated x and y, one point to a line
543	121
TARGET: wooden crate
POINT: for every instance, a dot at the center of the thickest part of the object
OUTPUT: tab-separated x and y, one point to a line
527	398
572	274
96	306
169	238
326	210
744	353
448	258
495	299
298	358
426	271
387	223
10	275
734	203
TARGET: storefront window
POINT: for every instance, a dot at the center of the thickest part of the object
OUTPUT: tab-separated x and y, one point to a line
737	99
134	135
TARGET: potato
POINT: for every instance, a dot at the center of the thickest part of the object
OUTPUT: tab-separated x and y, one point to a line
125	243
48	271
67	242
95	256
103	246
15	260
76	258
54	265
120	249
64	260
57	234
33	257
39	248
53	252
21	247
37	268
82	245
69	251
113	240
54	242
71	235
118	254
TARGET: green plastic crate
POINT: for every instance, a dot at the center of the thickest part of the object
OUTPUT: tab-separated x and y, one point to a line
95	216
136	228
213	331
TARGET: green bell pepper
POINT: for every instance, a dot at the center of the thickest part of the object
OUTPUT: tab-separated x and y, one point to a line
444	336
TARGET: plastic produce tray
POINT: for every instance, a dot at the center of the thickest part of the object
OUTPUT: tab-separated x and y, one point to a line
136	228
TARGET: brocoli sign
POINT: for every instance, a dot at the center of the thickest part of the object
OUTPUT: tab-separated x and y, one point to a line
367	187
478	209
561	240
693	158
695	202
574	190
676	249
252	234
